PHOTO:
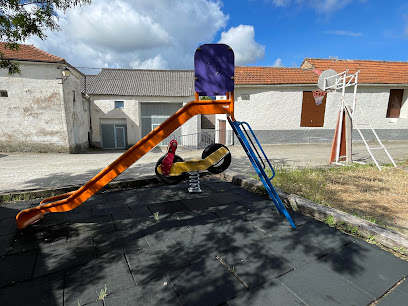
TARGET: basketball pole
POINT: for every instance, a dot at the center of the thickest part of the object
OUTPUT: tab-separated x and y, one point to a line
343	138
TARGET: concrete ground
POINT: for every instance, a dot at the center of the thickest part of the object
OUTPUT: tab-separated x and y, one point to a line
21	171
224	246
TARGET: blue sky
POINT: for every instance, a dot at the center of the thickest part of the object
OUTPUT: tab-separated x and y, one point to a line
163	34
369	29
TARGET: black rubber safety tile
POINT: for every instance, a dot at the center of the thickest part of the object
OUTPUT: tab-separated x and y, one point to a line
52	258
198	204
324	235
368	267
157	292
205	283
139	210
226	197
109	207
403	286
239	232
198	246
316	284
120	241
268	219
221	186
198	221
287	243
167	207
19	205
90	227
8	211
230	211
128	195
155	261
133	218
71	216
163	230
171	194
395	297
256	203
8	226
254	264
147	195
269	293
17	267
100	196
32	237
85	282
246	194
5	244
47	290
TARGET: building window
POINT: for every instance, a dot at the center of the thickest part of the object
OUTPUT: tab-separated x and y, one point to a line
119	104
395	103
73	96
3	93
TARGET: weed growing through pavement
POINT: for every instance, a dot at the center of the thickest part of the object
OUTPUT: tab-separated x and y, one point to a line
102	294
330	221
156	216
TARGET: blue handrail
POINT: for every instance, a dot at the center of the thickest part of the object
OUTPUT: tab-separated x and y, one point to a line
249	148
259	146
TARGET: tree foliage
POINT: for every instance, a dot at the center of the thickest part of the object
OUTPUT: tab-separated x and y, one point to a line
21	19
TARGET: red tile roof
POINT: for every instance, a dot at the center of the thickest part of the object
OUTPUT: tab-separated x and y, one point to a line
274	76
29	53
371	72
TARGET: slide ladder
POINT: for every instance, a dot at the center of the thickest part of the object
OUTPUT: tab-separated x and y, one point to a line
71	200
247	141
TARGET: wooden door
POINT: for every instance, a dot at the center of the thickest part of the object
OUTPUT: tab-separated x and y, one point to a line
223	131
312	114
394	103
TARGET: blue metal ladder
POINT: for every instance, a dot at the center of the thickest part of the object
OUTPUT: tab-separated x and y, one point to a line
240	130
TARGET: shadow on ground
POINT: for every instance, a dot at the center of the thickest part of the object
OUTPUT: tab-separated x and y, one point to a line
163	245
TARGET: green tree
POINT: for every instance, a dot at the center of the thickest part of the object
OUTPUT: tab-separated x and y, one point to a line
21	19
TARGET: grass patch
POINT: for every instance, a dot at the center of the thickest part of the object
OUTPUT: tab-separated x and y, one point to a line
16	197
361	190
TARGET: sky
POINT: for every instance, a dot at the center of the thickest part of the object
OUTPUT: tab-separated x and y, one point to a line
164	34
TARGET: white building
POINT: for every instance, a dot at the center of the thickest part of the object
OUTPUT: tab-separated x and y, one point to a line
41	110
126	104
279	105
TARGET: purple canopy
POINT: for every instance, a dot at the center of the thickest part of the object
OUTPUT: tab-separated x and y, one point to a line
214	69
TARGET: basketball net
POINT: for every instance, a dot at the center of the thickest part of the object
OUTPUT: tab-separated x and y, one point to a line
318	96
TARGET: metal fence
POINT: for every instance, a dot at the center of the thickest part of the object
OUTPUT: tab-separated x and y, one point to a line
198	140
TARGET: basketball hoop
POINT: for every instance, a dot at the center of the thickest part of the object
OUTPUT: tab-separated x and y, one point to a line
318	95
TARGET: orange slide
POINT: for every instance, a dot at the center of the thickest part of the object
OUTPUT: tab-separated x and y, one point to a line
68	201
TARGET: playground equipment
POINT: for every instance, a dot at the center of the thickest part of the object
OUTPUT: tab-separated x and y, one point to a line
330	80
214	75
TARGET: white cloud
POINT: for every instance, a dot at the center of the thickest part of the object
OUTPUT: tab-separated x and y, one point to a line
320	6
242	40
157	62
278	63
344	33
328	6
160	34
281	2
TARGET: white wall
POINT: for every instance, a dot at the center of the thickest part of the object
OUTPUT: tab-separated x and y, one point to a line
32	117
103	107
77	116
278	109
